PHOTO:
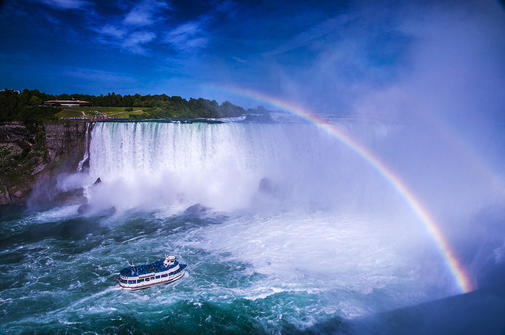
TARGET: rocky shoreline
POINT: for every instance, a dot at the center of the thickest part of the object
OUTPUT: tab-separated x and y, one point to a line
33	155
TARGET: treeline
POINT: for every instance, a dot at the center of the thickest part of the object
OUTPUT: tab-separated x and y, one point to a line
25	106
163	106
28	105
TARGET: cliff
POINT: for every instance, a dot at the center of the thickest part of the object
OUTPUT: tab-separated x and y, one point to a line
32	156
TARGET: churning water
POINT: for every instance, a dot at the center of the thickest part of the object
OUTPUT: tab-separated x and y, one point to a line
282	228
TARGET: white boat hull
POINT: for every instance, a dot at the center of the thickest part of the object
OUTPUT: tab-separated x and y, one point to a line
152	282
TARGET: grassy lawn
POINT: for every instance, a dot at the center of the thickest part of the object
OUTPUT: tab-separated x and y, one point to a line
113	112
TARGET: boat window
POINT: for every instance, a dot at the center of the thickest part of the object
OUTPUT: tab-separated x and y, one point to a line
131	281
165	275
147	279
157	277
140	281
152	278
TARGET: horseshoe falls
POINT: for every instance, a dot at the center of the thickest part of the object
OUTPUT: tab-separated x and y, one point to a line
285	229
223	166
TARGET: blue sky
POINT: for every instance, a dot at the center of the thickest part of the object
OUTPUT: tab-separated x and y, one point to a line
189	48
153	46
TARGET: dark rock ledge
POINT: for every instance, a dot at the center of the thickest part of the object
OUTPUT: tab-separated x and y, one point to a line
32	156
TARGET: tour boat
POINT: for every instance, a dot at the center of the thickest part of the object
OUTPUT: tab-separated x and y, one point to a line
146	275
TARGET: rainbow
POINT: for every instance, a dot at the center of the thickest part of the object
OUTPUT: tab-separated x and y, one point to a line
462	279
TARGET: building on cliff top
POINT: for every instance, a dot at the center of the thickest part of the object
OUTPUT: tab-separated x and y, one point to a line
67	103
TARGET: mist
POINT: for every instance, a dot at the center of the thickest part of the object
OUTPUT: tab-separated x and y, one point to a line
444	92
433	70
420	85
432	75
283	223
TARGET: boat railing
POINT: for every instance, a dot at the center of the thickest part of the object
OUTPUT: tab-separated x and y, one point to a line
146	269
144	280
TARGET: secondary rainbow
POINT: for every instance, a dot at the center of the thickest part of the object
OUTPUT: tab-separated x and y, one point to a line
461	278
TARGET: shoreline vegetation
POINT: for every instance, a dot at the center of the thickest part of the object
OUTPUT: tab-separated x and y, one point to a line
30	107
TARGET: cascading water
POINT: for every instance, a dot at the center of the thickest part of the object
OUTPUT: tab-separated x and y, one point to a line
86	149
293	230
223	166
166	163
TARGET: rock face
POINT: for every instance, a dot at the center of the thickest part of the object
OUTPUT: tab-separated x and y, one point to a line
31	156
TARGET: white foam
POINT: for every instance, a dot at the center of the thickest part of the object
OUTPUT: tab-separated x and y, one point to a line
320	252
57	213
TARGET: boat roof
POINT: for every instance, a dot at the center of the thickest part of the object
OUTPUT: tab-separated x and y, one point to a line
134	271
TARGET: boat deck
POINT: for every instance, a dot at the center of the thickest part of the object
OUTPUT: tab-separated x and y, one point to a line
135	271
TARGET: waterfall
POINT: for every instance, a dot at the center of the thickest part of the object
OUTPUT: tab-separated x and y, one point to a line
86	149
224	166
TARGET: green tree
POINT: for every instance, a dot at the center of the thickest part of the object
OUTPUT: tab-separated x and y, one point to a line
35	101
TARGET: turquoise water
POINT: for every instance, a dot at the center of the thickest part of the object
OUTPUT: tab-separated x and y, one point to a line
294	233
59	268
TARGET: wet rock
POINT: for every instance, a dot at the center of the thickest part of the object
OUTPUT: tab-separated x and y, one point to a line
32	156
5	197
85	165
196	209
107	212
71	196
38	169
83	209
266	186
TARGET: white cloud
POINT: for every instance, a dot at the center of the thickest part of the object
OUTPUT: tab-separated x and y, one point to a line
136	28
186	29
187	36
193	35
125	34
134	42
96	75
499	254
66	4
113	31
145	13
239	59
309	36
